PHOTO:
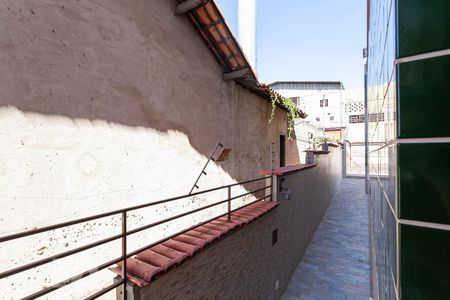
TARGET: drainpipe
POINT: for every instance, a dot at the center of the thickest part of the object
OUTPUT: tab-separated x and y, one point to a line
366	132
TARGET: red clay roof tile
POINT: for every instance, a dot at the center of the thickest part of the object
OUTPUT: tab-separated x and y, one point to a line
222	229
190	240
230	225
176	255
202	229
180	246
201	235
134	279
154	261
141	269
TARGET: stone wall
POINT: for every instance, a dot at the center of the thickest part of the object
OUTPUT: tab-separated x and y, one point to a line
245	264
106	104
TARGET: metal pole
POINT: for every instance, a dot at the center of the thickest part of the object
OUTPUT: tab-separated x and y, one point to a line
229	203
219	144
271	192
124	253
366	132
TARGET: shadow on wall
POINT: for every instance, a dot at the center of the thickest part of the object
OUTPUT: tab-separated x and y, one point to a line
293	154
111	103
108	98
122	63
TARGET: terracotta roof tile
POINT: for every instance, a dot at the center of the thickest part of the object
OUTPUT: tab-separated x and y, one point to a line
158	259
176	255
201	235
214	232
141	269
180	246
190	240
221	222
223	229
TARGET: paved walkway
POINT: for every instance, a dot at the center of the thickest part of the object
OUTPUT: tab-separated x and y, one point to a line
336	262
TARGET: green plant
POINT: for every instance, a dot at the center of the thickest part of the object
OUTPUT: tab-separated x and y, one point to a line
292	111
319	140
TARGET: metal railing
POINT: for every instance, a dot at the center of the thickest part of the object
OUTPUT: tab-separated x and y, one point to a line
123	236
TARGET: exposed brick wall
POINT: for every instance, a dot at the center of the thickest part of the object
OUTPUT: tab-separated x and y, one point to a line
244	264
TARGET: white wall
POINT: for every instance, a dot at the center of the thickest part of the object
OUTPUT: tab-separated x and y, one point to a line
310	103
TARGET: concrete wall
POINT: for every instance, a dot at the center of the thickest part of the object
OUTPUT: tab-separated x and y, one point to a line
245	265
302	142
106	104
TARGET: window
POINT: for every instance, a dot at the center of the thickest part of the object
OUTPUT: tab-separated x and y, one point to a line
324	103
353	119
296	100
372	117
361	118
331	118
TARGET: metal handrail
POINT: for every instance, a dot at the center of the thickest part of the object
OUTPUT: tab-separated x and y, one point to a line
123	235
115	212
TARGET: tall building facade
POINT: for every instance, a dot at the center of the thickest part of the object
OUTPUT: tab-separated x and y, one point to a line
408	81
247	29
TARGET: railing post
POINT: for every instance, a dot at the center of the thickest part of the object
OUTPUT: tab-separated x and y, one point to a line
229	203
271	188
274	189
124	253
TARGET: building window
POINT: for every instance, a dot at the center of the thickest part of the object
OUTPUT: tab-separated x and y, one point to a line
331	118
296	100
372	118
324	103
353	119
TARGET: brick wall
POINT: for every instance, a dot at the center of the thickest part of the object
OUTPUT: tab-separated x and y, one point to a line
245	264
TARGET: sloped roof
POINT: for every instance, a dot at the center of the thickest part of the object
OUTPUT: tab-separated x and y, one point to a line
211	24
309	84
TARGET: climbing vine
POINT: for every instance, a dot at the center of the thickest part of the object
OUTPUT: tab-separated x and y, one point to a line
292	111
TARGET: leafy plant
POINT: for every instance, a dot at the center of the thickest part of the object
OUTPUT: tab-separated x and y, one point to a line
292	111
320	140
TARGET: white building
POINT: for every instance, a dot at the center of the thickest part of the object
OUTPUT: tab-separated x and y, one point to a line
247	29
354	115
321	100
354	136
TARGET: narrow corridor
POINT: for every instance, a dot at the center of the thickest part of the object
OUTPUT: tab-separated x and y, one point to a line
336	262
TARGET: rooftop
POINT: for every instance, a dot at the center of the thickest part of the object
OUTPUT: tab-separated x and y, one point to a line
211	25
307	85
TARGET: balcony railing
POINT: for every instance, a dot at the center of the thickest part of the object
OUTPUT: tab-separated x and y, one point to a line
125	233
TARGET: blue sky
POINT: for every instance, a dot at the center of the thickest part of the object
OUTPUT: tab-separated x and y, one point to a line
307	39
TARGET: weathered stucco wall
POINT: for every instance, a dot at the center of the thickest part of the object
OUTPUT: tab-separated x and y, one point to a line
105	104
245	264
